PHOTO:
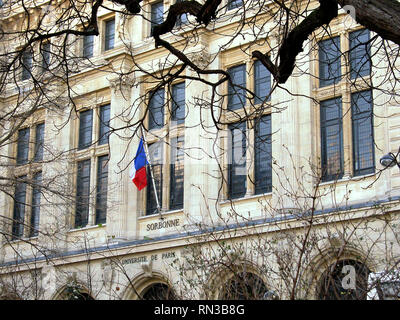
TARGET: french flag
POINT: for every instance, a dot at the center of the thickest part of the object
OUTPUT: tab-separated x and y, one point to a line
138	170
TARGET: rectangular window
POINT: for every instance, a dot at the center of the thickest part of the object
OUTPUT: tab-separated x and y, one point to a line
102	183
157	12
263	155
104	126
236	88
19	208
45	52
329	61
82	193
262	82
39	142
237	172
156	109
23	146
178	103
331	139
85	129
35	213
176	173
232	4
360	53
156	159
26	65
109	35
88	45
363	136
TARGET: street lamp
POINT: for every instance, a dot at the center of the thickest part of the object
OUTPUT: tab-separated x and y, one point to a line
389	160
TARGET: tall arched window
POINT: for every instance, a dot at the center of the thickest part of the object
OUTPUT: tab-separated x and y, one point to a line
244	286
158	291
344	280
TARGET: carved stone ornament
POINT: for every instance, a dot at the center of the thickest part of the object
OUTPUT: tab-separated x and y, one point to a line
148	268
122	84
200	58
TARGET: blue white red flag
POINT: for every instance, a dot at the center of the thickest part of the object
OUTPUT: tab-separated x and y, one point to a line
138	170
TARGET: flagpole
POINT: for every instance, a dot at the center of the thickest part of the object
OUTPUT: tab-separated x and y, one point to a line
151	172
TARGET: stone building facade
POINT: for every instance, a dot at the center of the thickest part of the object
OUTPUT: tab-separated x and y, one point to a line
285	198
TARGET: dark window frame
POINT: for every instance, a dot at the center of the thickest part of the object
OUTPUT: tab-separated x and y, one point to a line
27	65
19	210
23	140
39	142
82	193
101	187
85	129
88	46
237	87
261	82
178	96
45	51
332	63
359	53
237	183
109	34
362	119
36	197
263	144
104	124
325	125
155	18
156	109
233	4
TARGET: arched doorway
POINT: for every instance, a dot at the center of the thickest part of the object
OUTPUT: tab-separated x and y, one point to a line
158	291
344	280
74	292
245	286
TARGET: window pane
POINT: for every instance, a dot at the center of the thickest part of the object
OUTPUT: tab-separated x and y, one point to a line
104	131
23	146
329	61
236	95
39	142
35	215
82	194
26	65
156	159
262	82
109	35
102	183
363	137
157	11
232	4
85	129
19	208
360	64
156	109
331	139
45	51
177	173
88	42
263	155
237	161
178	103
183	18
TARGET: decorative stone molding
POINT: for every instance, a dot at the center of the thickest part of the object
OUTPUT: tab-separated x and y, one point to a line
201	58
122	84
